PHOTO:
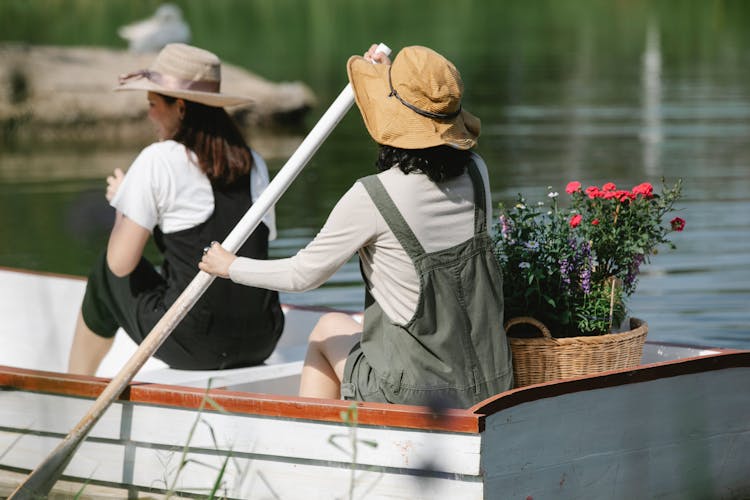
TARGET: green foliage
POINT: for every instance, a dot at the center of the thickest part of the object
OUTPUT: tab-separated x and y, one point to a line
184	460
572	268
350	418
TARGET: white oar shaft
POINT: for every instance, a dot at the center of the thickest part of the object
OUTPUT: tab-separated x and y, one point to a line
284	178
41	480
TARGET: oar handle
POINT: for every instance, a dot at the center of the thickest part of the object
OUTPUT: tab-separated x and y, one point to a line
41	480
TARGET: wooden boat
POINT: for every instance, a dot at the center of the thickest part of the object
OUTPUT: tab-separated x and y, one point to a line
677	426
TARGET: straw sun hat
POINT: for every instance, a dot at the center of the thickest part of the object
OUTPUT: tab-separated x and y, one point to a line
185	72
413	103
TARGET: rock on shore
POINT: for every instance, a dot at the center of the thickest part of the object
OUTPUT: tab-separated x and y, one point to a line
67	91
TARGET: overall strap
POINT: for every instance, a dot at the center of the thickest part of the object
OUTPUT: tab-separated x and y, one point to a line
392	216
480	217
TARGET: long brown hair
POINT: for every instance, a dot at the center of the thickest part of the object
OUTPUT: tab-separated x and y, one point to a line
216	140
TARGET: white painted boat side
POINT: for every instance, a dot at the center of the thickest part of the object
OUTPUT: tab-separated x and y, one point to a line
261	479
328	442
142	445
54	414
685	436
165	427
247	475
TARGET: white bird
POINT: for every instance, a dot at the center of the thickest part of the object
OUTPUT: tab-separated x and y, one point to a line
152	34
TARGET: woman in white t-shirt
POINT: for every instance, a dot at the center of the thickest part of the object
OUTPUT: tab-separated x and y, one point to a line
189	188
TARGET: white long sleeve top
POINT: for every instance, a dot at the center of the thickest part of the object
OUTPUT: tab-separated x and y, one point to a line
440	215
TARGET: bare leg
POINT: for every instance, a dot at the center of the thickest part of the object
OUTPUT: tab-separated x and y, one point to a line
88	349
330	342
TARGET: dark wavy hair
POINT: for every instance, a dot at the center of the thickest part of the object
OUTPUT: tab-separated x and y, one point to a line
439	163
216	140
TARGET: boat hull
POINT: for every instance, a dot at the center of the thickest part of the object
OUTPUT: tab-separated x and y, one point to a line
671	430
677	426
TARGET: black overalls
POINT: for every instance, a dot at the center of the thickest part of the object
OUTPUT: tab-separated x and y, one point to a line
231	325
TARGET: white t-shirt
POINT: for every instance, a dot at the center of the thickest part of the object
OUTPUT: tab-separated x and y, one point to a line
164	186
439	215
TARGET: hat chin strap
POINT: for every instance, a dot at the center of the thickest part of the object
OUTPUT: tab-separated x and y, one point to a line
428	114
171	82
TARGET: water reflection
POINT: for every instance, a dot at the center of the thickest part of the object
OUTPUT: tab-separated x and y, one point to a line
651	128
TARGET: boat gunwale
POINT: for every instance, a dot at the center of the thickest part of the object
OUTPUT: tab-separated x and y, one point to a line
466	421
268	405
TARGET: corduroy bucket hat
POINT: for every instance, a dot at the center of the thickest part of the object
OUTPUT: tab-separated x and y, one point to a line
413	103
186	72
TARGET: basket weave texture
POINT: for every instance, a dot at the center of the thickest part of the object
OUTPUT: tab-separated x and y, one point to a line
542	359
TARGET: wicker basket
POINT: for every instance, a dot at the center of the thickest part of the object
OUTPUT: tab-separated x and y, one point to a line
541	359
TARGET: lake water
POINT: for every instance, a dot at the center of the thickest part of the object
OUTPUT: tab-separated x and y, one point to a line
626	92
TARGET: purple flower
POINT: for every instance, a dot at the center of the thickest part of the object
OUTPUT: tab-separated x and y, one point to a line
565	269
586	266
633	270
505	227
586	281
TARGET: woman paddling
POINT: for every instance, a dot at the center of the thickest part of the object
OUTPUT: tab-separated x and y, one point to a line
190	187
432	332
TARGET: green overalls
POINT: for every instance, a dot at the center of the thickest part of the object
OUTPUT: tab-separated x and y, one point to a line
453	352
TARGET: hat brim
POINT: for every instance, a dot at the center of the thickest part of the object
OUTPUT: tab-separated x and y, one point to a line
213	99
391	123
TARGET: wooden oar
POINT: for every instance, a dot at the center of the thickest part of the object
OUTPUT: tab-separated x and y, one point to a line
41	480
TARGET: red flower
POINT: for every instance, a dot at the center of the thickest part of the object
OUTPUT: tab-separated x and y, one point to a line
575	221
595	222
610	186
678	224
593	192
645	189
572	187
624	195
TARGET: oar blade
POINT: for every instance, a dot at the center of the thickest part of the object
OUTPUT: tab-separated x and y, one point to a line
41	480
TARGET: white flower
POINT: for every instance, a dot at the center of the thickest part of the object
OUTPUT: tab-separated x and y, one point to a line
553	194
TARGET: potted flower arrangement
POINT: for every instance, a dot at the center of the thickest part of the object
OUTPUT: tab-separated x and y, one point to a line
572	268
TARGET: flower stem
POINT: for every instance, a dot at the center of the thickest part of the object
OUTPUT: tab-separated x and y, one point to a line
611	301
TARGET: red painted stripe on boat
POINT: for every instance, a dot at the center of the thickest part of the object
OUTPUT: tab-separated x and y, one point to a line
326	410
51	382
376	414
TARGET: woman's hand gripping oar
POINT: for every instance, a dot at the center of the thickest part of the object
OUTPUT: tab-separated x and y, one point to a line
41	480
